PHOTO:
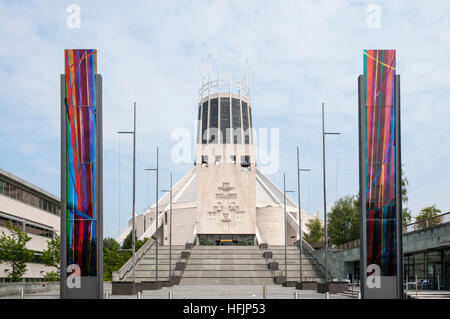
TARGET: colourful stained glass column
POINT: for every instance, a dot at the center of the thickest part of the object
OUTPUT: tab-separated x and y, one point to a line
81	175
380	184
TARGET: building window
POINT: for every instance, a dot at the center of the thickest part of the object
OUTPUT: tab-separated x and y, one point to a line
28	198
245	161
12	191
204	160
6	188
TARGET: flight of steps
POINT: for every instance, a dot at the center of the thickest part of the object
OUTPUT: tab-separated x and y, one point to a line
226	265
145	267
311	272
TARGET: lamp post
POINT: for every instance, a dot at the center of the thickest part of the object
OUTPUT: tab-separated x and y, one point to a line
300	230
133	235
325	189
156	212
170	227
285	226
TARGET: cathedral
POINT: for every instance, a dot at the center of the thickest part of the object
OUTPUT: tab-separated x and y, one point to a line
224	199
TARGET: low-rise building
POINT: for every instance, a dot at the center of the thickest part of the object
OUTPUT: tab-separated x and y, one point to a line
35	211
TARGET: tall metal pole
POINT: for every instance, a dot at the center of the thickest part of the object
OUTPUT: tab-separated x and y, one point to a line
325	189
285	225
170	231
300	230
300	233
285	228
156	211
133	232
170	224
157	196
324	193
134	196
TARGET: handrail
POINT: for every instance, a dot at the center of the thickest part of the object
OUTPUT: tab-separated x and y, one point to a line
319	259
441	220
152	229
351	244
258	236
418	225
122	272
194	234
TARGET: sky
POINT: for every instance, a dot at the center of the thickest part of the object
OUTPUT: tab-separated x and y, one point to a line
301	53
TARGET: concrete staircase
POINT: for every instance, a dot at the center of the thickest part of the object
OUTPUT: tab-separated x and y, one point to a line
311	271
146	265
226	265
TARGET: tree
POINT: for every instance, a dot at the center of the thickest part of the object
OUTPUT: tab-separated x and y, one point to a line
52	258
406	213
111	244
406	216
316	231
14	253
405	183
425	214
52	255
343	220
128	242
113	258
52	276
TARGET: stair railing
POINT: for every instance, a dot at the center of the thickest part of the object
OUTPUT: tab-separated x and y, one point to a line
319	259
152	229
123	271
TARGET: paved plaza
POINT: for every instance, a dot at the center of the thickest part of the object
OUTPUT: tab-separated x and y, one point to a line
206	292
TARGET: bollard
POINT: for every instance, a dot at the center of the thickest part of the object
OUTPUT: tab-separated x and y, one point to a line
21	294
264	292
295	295
106	295
407	287
416	286
138	295
327	295
438	284
170	295
359	295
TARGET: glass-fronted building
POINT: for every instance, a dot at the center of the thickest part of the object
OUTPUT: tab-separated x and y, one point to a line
432	268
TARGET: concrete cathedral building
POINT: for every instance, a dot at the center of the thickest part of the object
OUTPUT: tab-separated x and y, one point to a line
224	197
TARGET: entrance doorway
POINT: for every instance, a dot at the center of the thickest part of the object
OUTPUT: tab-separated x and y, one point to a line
226	239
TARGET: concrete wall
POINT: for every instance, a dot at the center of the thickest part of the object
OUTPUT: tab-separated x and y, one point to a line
13	288
335	263
33	270
209	179
183	225
432	237
270	222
